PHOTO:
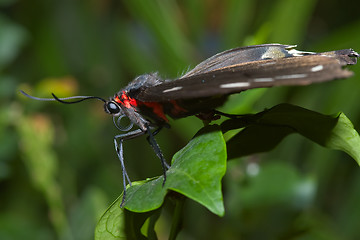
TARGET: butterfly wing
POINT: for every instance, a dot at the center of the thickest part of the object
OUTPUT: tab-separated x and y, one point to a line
242	55
258	66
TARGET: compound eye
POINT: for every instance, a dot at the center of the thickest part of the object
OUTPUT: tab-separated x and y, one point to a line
112	108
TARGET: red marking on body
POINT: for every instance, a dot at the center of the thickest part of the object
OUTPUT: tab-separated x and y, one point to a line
157	108
126	101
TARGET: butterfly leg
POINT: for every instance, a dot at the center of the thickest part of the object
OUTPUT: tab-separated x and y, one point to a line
157	150
118	141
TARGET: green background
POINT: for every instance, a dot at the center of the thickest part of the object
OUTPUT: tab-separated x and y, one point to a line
58	167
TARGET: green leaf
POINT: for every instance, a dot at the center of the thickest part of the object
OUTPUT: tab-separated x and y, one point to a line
117	223
345	138
196	172
111	224
263	131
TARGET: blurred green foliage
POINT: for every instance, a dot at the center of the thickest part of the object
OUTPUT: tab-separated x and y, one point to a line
58	167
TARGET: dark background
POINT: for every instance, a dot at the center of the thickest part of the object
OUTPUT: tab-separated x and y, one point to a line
58	167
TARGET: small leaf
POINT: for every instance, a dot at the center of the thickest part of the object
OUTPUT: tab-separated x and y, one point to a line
117	223
263	131
344	137
196	172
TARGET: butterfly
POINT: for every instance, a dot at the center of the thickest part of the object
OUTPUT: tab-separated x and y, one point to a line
148	100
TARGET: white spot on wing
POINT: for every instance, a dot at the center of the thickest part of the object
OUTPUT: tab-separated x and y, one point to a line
297	53
317	68
235	85
291	76
172	89
263	79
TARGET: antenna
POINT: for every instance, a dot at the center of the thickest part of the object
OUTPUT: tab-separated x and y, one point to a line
63	100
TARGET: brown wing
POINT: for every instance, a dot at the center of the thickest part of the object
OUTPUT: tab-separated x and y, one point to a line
266	66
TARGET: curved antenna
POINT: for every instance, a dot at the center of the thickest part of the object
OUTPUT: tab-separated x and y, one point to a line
62	100
83	98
